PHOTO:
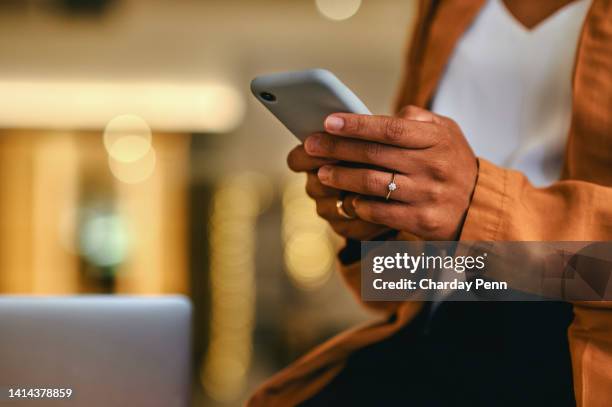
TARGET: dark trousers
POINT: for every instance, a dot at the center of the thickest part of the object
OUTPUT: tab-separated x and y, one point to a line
464	354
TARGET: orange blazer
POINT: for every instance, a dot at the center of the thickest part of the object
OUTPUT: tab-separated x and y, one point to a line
505	206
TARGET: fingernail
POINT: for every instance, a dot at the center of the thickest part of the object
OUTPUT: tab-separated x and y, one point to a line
355	202
313	143
324	172
334	123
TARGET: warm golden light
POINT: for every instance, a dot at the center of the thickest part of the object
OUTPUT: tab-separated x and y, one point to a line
308	250
338	9
127	138
136	171
236	205
184	108
309	258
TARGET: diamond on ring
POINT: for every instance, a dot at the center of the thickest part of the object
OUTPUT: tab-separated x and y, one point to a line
392	186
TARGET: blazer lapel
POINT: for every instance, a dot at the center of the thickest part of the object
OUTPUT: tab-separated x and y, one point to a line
452	19
440	26
590	143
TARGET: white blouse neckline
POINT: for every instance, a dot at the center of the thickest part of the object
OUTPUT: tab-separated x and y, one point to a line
510	88
542	25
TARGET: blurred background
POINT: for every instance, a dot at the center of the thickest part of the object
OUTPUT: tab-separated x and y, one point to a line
133	160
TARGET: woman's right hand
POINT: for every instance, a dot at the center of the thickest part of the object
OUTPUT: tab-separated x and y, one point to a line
326	198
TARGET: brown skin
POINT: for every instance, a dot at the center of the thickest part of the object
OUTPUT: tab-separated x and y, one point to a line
530	13
326	197
435	166
435	173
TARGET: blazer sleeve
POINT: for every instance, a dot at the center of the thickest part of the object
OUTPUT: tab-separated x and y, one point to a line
506	207
349	266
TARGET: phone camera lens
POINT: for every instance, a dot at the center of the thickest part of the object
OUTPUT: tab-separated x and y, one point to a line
268	97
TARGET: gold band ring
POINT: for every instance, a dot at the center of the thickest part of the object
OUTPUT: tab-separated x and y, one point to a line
340	209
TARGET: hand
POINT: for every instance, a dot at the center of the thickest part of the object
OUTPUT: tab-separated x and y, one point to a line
435	169
326	198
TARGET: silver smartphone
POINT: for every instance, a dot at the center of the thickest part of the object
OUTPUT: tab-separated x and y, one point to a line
302	100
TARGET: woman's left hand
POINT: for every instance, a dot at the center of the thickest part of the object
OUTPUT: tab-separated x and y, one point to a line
435	169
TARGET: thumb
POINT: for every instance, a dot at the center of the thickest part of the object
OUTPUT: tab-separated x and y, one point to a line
418	114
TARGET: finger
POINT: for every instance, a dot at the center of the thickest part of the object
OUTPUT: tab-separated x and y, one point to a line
390	130
395	215
368	181
392	214
425	222
402	160
358	151
411	112
299	161
347	204
418	114
327	208
316	190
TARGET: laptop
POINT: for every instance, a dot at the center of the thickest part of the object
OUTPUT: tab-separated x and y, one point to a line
95	351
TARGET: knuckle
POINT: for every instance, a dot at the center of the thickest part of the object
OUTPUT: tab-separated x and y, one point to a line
293	160
363	212
311	188
373	151
449	122
355	124
333	178
336	228
440	138
435	193
372	182
370	214
394	129
409	111
340	228
361	124
441	170
321	210
376	215
329	144
428	221
446	122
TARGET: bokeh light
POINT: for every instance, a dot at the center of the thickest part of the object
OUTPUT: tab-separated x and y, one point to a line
212	107
216	108
103	239
308	249
338	9
236	205
309	259
135	171
67	228
127	138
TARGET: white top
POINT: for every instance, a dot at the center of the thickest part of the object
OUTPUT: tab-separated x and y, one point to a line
509	88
